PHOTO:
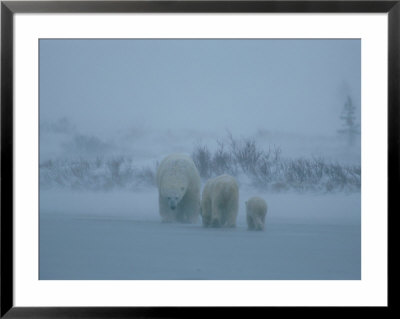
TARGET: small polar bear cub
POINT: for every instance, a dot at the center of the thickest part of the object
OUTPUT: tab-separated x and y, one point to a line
179	187
256	210
220	202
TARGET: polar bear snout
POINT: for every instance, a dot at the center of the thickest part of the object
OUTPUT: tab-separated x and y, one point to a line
173	202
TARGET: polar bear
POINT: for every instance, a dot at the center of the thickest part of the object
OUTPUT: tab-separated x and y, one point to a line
256	210
220	202
179	185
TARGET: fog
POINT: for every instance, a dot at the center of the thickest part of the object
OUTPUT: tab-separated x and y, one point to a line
298	86
111	110
115	94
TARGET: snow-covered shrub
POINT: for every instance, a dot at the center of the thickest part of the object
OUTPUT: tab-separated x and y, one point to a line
98	174
267	169
202	158
243	158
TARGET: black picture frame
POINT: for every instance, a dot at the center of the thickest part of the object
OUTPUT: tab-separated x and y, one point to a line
9	8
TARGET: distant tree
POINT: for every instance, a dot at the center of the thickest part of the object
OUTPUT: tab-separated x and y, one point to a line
350	128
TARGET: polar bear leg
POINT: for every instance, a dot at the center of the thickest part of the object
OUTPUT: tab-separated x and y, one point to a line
259	221
217	213
250	222
206	212
223	215
231	214
256	221
188	209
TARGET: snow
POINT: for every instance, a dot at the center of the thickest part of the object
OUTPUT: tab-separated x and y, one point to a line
101	143
119	235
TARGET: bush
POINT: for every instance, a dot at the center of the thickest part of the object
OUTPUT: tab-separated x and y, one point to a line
99	174
245	153
268	170
203	161
264	169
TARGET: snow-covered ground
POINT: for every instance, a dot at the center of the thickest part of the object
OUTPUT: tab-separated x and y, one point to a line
118	235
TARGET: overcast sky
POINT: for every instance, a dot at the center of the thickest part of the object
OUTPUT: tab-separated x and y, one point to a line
295	86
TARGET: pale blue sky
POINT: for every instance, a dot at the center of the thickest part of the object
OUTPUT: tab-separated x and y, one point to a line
296	86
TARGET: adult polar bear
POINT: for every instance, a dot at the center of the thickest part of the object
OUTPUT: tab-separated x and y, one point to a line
179	185
220	202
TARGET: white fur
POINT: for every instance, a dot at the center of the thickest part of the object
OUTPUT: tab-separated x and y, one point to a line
179	186
256	210
220	202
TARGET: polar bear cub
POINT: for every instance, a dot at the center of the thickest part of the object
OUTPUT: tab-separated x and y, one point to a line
220	202
179	186
256	210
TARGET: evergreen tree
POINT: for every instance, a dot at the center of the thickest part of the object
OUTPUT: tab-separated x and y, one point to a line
350	128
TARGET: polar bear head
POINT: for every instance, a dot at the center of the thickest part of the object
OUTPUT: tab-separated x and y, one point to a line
174	192
174	196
